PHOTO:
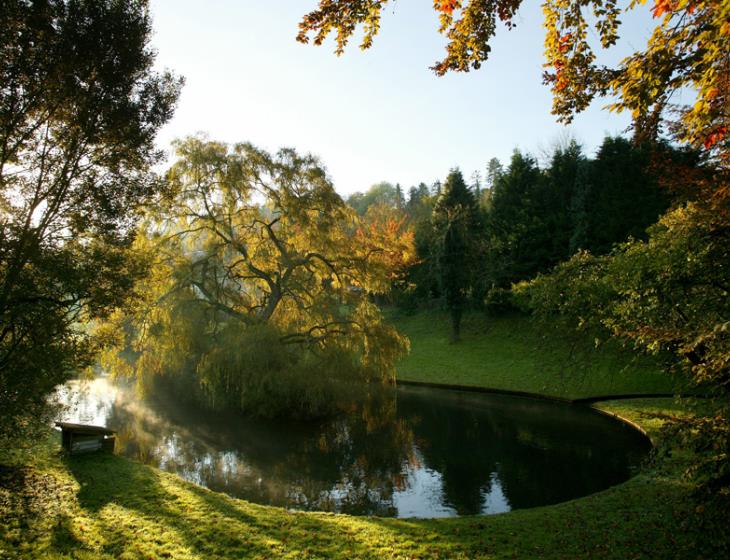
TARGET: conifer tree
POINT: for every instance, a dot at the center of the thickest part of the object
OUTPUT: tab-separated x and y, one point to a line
456	221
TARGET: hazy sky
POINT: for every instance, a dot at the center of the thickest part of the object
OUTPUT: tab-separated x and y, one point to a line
376	115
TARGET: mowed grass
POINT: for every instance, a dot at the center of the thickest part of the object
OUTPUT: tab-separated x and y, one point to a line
513	353
103	506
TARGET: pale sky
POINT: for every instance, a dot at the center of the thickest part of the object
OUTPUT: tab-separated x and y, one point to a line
371	116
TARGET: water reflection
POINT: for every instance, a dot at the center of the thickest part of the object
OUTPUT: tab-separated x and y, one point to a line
411	452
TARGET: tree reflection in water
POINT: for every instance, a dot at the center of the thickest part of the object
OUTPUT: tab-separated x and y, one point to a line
405	452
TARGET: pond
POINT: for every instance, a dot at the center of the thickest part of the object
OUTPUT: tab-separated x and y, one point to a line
412	452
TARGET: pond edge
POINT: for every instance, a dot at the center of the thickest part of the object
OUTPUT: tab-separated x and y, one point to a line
590	401
540	396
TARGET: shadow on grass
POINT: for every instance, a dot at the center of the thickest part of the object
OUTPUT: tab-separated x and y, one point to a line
63	539
151	513
157	515
180	519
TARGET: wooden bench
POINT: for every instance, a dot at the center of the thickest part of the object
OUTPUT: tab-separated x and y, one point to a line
80	438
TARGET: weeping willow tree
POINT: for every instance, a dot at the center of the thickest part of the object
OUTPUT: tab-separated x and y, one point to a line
257	296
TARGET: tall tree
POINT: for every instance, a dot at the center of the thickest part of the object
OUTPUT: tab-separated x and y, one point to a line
419	199
79	110
458	229
520	242
260	292
400	199
476	184
494	171
421	283
563	178
620	196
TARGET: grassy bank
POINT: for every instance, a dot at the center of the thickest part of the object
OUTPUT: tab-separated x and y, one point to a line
513	353
101	506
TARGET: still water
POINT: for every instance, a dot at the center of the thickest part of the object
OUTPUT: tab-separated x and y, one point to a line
414	452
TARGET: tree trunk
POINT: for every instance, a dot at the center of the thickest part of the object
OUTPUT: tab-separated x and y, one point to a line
455	324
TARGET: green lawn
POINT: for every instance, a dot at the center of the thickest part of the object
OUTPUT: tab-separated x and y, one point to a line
102	506
512	353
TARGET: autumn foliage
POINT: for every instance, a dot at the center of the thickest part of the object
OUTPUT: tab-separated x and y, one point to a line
258	298
689	50
447	6
386	237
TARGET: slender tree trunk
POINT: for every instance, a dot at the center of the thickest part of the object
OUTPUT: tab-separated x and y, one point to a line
456	324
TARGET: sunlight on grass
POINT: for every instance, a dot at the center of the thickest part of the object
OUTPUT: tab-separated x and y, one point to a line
102	506
511	353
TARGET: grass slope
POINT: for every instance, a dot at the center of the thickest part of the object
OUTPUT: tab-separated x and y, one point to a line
102	507
512	353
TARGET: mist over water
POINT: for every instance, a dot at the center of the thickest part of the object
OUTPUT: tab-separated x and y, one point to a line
410	452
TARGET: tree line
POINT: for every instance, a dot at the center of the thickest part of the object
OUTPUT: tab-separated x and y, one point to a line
474	242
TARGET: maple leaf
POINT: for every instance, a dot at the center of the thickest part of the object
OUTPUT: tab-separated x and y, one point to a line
661	7
448	6
714	137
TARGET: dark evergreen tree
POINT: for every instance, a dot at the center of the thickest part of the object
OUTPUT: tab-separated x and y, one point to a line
520	241
458	233
562	177
579	218
619	198
537	219
423	274
476	185
412	201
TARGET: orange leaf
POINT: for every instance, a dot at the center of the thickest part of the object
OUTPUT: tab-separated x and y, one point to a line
661	7
448	6
714	137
